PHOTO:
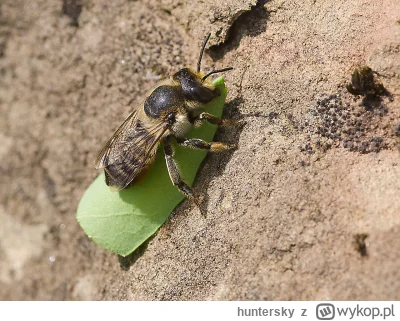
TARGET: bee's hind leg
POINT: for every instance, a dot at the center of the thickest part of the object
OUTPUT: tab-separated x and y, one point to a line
201	144
176	177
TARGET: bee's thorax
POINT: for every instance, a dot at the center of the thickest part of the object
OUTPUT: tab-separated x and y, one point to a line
163	100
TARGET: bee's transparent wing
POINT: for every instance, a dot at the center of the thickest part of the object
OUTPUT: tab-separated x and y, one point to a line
129	151
110	153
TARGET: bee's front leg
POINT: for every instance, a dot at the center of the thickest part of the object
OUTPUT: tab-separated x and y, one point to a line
215	120
201	144
176	177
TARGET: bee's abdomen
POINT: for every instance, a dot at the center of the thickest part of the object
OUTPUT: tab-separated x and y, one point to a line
116	174
123	174
163	99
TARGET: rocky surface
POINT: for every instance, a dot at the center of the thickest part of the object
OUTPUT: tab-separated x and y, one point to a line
315	165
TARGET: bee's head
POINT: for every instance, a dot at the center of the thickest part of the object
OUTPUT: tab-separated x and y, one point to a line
194	89
194	83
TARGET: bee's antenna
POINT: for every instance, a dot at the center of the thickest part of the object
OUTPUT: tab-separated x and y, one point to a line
203	46
215	72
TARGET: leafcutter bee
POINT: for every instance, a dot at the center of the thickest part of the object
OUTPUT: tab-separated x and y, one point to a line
165	115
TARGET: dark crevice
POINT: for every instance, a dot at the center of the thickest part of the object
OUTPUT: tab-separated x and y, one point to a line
249	23
4	33
72	9
2	46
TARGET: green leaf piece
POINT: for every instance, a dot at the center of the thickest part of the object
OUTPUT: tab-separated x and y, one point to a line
122	221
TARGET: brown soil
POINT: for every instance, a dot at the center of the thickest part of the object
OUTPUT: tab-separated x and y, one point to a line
315	165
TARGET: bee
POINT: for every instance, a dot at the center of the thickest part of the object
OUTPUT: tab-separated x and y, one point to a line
363	83
165	116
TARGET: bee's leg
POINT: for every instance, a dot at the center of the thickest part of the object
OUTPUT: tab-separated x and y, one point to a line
215	120
175	176
201	144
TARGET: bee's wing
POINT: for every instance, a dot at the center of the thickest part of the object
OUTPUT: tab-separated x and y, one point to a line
109	153
130	150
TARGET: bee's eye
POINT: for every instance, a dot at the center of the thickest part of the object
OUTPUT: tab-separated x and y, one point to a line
203	94
192	89
171	118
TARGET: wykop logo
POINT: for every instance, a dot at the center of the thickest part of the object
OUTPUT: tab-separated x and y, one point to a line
325	311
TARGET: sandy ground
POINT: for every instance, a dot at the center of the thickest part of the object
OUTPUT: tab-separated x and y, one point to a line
315	165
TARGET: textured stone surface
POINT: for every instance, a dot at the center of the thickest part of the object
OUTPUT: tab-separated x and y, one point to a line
283	209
